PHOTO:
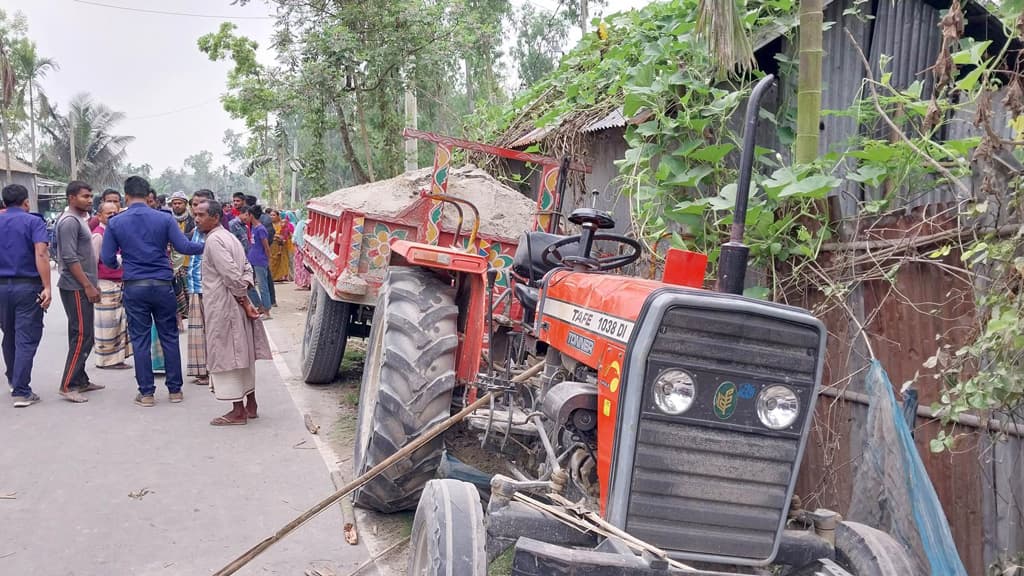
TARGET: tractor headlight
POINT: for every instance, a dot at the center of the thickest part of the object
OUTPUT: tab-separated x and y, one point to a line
674	391
778	407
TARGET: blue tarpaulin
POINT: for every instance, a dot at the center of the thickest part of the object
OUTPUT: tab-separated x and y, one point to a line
892	490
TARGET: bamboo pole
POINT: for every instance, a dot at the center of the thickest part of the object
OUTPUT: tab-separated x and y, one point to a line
250	554
808	98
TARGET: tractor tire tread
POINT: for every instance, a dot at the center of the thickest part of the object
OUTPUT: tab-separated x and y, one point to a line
448	531
417	377
868	551
325	338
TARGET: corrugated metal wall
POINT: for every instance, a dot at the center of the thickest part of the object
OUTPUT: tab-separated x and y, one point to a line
981	484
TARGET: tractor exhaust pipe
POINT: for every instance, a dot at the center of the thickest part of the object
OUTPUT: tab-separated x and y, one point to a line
732	259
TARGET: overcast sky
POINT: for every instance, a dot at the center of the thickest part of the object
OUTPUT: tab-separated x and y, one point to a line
148	66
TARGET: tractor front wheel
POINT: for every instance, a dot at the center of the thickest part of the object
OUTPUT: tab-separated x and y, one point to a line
866	551
407	385
448	535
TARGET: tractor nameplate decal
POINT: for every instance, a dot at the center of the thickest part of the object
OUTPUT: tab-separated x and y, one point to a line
597	322
725	400
581	343
748	391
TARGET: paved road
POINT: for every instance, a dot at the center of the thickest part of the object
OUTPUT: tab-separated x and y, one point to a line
210	493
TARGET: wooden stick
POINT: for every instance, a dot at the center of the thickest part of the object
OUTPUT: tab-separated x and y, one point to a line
308	515
370	474
599	526
967	420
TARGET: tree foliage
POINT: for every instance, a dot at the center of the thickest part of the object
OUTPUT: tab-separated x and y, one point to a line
337	86
99	150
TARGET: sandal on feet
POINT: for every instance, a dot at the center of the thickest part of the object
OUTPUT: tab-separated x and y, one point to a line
74	397
92	387
201	381
225	421
118	366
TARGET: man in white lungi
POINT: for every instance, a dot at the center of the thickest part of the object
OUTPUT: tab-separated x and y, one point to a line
234	341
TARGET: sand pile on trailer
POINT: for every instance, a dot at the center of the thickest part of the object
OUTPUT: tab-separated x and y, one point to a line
504	212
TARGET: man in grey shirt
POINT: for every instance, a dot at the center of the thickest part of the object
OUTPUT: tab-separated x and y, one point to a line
78	289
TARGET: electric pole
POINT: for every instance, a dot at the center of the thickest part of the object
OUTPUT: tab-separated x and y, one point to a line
411	150
71	139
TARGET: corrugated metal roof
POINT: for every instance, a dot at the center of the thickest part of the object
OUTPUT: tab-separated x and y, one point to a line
615	119
533	136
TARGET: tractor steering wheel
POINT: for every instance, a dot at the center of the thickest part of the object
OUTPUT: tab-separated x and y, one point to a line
553	257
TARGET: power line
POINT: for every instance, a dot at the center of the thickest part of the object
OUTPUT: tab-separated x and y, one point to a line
169	13
169	112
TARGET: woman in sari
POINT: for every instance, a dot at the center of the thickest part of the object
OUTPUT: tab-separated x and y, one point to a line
281	248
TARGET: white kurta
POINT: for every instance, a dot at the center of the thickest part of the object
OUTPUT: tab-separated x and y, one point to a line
233	341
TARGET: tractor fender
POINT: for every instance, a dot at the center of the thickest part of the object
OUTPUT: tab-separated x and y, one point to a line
565	398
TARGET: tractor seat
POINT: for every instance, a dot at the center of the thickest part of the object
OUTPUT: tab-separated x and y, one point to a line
528	262
529	297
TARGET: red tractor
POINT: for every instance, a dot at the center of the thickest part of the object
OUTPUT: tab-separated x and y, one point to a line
663	435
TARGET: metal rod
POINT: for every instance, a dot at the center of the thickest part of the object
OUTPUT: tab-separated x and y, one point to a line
739	218
560	186
552	457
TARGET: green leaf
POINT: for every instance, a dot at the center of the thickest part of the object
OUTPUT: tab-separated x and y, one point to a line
649	128
972	54
686	147
814	187
967	83
689	178
632	104
691	207
941	252
872	175
712	154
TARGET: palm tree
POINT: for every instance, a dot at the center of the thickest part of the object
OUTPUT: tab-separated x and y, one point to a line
31	68
99	153
721	22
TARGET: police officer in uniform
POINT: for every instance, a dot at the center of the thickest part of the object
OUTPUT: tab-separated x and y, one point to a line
24	289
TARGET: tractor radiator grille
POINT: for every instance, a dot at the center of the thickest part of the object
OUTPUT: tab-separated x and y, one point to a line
704	484
706	491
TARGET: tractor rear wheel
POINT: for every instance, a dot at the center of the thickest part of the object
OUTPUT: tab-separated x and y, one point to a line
865	551
407	386
448	536
323	343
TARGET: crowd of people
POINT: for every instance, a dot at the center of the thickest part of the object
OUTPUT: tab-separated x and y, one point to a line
133	271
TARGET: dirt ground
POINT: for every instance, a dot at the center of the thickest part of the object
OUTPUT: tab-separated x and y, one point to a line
386	536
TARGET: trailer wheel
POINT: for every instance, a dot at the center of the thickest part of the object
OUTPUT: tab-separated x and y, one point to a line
866	551
407	385
323	343
448	536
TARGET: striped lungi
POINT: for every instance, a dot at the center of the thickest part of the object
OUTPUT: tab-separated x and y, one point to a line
113	346
196	338
180	293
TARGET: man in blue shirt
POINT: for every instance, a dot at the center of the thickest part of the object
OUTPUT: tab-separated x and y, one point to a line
24	290
142	235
